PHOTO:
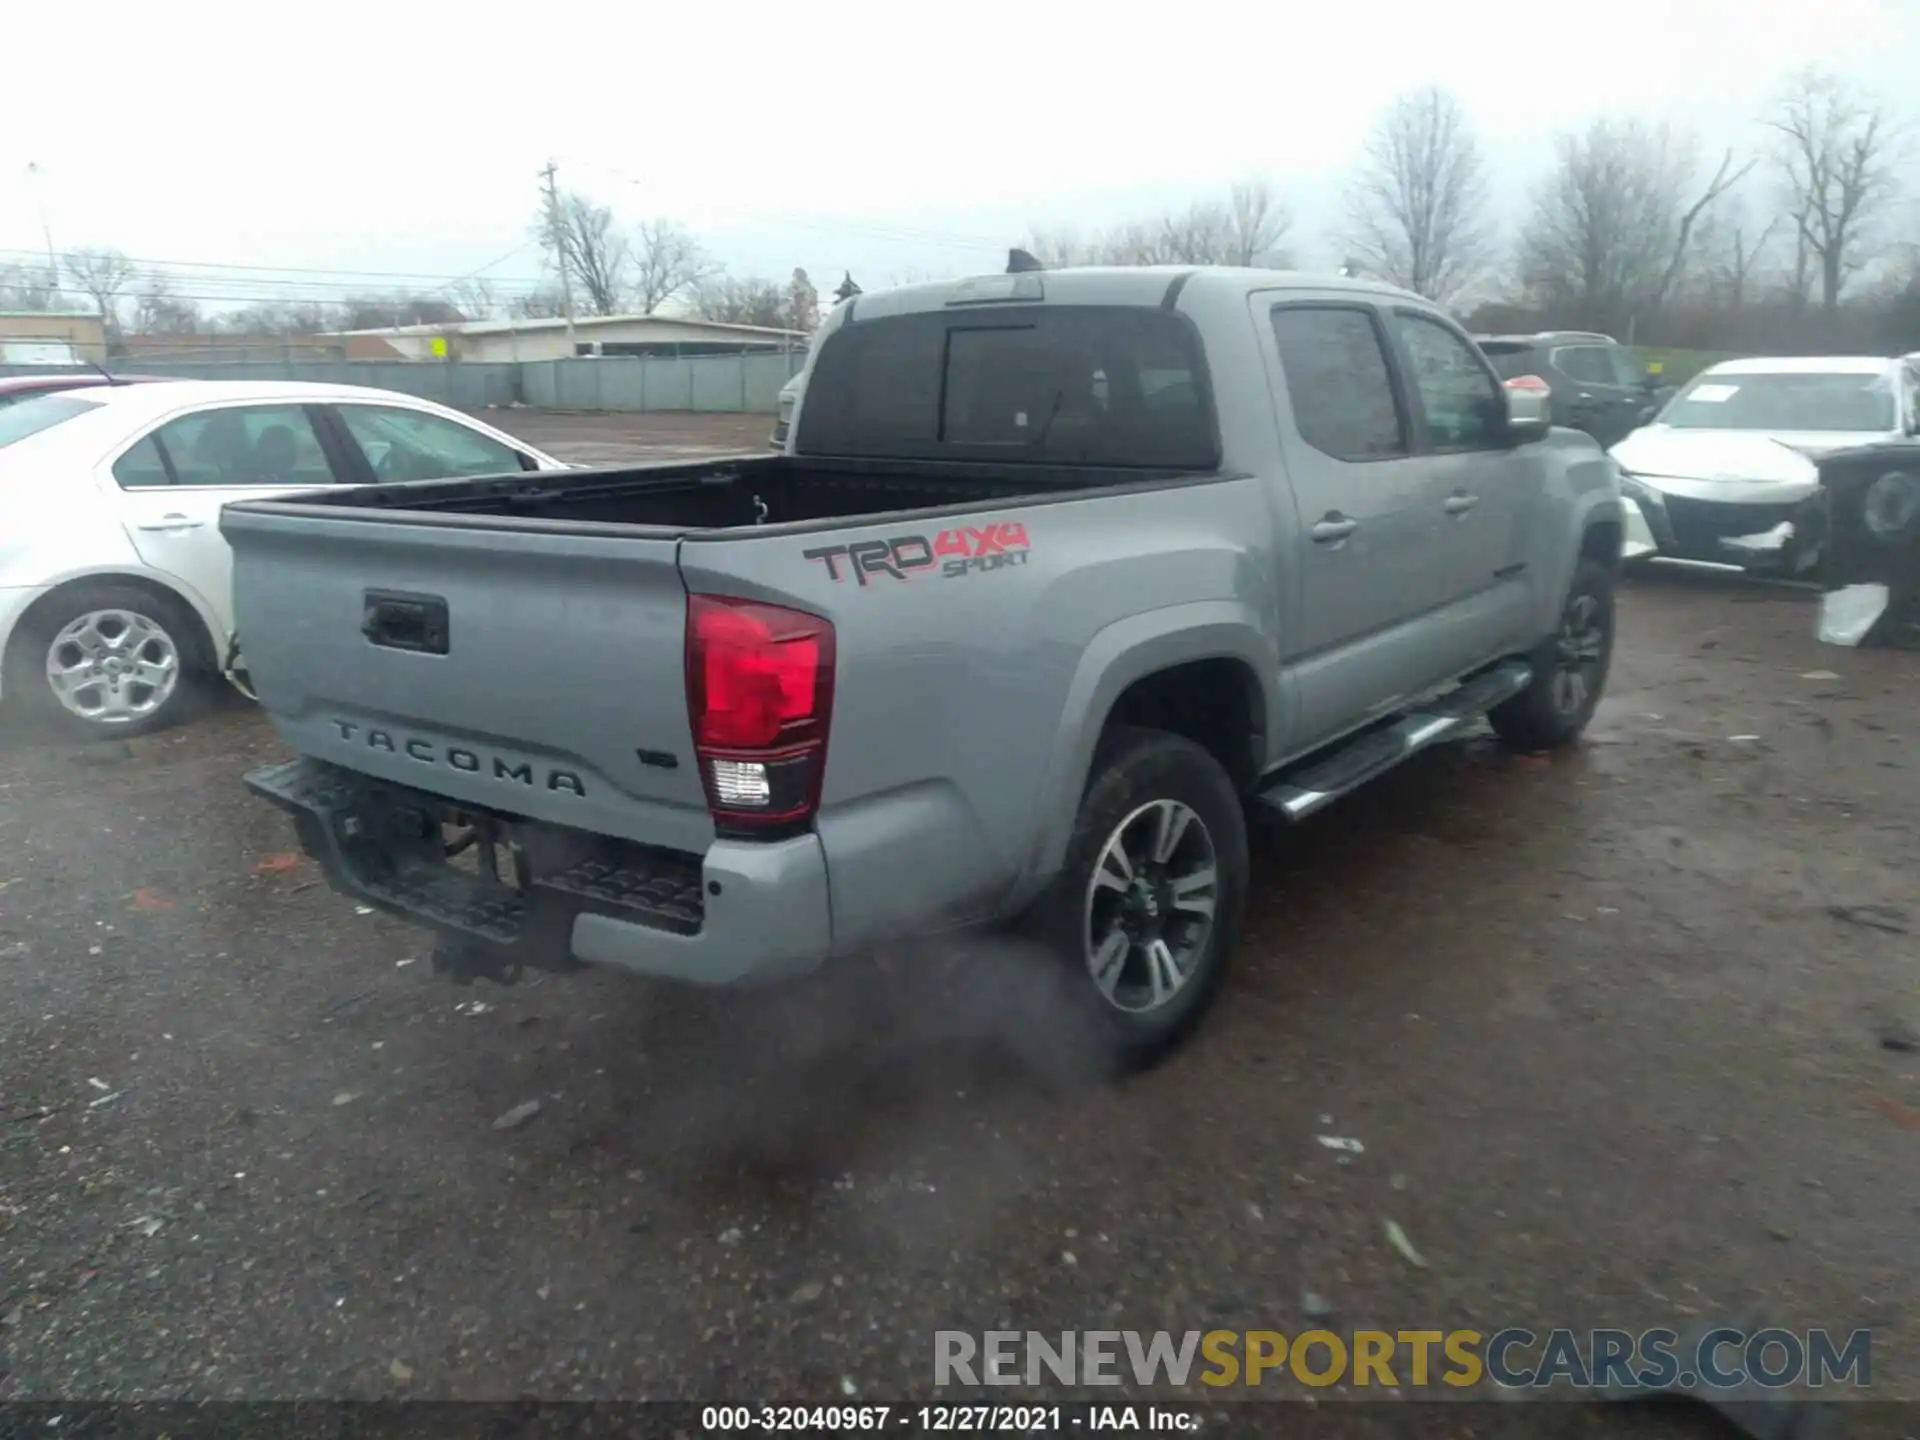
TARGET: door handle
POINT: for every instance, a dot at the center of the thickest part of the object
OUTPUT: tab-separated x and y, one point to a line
1459	503
1334	528
171	522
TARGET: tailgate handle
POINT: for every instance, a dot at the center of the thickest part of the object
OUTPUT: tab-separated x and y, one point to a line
395	620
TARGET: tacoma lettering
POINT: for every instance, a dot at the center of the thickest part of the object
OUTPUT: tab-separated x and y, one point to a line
459	757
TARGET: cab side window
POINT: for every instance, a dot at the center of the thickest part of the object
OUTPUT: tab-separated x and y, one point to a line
1338	382
1463	405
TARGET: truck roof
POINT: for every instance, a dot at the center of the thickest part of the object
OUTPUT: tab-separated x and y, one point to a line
1113	285
1543	337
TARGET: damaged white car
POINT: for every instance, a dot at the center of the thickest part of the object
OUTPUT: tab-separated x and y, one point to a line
1725	470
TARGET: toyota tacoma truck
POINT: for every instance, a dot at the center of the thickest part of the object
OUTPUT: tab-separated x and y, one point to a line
1060	577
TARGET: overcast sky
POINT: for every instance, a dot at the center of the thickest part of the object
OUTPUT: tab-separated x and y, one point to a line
405	137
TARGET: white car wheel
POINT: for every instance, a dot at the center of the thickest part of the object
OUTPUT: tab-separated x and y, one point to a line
108	660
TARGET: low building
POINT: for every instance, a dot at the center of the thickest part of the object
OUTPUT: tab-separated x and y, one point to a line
517	340
51	338
229	347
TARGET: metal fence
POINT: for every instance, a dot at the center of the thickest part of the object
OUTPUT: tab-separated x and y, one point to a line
725	384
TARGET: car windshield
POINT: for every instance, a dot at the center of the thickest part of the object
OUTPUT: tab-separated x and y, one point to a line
41	412
1784	401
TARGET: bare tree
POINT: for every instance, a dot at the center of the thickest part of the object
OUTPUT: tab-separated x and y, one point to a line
386	312
667	262
474	298
1061	249
29	288
803	302
158	311
1248	228
1417	202
292	317
1257	224
103	275
1836	161
1614	223
1736	247
590	243
751	301
545	303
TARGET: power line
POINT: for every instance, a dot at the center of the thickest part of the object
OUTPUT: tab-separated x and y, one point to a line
346	276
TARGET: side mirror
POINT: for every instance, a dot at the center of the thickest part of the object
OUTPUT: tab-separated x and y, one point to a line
1529	409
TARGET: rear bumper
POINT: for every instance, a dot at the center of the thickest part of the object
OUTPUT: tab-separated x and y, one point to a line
741	913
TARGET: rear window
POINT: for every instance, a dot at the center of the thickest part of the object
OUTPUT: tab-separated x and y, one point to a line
1071	385
1508	358
42	412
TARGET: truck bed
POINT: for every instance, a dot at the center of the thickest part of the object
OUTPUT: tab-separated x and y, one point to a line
721	494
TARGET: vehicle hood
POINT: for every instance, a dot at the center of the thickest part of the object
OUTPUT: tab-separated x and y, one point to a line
1734	466
1733	455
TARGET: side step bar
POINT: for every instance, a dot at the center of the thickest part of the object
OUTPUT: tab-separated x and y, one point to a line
1358	760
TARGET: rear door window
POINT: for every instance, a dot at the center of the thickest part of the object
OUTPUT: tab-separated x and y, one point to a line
1509	359
1106	386
42	412
1338	381
239	445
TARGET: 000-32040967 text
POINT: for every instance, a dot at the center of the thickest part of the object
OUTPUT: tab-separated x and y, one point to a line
1015	1419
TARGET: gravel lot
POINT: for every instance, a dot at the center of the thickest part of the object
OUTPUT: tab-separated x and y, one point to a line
1617	1049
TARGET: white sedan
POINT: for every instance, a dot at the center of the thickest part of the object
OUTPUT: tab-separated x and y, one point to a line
1723	471
116	606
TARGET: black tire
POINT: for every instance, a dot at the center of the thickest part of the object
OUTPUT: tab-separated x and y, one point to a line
31	695
1569	669
1133	771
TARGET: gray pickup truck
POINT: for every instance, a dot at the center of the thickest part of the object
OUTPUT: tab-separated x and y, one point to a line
1060	576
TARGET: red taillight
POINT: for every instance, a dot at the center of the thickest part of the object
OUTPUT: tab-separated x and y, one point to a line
1527	382
759	694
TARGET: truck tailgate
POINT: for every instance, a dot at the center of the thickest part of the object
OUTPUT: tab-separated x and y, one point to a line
544	678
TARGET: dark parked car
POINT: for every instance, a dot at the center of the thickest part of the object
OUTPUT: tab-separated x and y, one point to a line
1597	385
15	388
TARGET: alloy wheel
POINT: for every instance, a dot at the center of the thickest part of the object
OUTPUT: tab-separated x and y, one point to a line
113	667
1579	649
1150	906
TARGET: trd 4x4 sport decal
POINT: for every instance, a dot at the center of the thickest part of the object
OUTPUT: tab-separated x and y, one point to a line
969	550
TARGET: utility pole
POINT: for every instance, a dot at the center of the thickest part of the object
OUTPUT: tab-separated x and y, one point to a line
46	230
556	232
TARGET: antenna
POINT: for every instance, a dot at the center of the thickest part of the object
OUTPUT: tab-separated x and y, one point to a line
1021	262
